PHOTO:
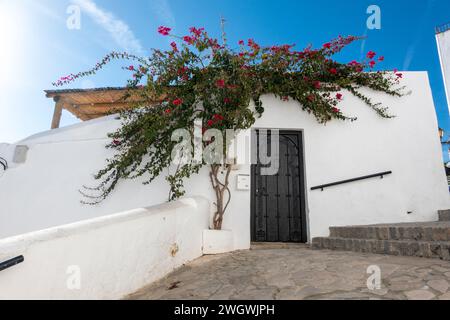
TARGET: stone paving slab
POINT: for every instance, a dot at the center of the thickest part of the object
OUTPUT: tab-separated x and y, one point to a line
432	224
298	273
444	215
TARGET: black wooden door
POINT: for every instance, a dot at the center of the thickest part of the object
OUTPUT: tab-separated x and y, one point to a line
278	201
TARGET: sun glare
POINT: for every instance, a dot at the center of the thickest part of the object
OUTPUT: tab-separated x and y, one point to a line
12	29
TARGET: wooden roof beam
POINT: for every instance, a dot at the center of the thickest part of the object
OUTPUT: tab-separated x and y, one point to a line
57	113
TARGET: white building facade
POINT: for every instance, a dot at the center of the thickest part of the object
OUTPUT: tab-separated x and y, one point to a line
42	191
443	43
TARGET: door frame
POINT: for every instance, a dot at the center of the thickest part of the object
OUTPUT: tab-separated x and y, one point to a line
303	190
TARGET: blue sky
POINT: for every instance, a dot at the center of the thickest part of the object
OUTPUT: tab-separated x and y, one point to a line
37	47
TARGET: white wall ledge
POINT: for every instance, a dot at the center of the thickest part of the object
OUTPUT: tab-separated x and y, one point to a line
49	234
116	254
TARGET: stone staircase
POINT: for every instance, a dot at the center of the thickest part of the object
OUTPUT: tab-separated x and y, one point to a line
427	239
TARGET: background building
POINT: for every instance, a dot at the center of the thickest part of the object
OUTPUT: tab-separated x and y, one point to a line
443	42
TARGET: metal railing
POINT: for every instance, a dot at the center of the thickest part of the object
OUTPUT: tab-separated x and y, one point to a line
11	263
3	163
322	187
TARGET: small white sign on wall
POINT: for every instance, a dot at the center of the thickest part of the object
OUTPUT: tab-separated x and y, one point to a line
243	182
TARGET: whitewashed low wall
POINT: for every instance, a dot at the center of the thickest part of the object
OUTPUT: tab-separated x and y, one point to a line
112	255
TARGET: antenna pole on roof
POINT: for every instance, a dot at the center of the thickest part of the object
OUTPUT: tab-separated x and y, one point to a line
222	26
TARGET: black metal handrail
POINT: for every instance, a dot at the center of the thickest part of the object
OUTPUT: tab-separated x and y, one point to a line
4	163
381	175
11	263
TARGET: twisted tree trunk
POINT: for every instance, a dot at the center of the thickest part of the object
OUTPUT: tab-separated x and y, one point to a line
222	191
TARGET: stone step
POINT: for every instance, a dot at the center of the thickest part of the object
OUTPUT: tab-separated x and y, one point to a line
424	249
444	215
427	231
277	245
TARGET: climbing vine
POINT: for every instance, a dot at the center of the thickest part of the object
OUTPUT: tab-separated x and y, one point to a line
200	78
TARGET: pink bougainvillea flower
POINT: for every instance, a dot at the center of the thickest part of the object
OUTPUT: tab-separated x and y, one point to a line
174	47
358	67
188	39
399	75
116	142
210	123
218	117
226	100
220	83
164	30
339	96
333	71
371	54
131	68
241	42
167	111
251	43
372	63
336	110
182	70
327	45
317	84
214	44
381	58
300	54
177	102
196	32
311	97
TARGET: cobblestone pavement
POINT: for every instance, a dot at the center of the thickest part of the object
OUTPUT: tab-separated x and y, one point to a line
296	273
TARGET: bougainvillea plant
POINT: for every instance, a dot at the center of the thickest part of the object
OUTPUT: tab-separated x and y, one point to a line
200	78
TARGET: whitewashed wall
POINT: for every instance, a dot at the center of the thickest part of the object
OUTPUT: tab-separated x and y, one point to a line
408	145
104	258
443	43
43	192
